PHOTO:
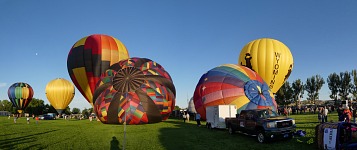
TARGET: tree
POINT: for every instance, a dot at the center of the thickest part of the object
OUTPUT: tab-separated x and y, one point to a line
36	107
76	111
1	106
85	112
313	86
177	108
90	110
298	91
284	96
67	111
346	85
7	106
354	81
334	83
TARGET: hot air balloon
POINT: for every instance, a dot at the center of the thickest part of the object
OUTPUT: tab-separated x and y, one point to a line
90	57
20	95
270	58
134	91
191	106
232	84
60	93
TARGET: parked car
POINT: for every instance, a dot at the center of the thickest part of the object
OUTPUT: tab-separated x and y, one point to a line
41	117
48	117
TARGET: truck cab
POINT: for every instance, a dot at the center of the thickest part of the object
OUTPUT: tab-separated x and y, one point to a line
263	123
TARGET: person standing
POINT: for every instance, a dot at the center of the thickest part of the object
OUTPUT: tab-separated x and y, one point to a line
15	118
37	119
354	114
198	119
184	117
188	117
322	111
319	116
325	113
347	114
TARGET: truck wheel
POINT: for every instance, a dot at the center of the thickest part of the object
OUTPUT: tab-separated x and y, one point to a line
261	137
230	130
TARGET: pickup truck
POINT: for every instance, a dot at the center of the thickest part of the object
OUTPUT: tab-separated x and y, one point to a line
265	124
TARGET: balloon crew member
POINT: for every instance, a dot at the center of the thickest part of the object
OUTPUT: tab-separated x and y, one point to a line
198	119
184	116
354	114
37	119
347	114
188	117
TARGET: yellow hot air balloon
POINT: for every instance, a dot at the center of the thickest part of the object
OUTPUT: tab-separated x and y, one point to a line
60	93
270	58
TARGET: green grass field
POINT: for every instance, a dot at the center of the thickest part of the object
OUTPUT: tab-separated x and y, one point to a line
171	134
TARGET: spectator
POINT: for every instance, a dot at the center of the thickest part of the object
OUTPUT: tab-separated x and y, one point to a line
37	118
198	119
319	116
15	118
325	113
188	117
28	120
184	117
354	114
347	114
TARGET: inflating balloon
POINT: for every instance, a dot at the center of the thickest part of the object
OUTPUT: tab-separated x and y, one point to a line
191	106
90	57
60	93
20	95
270	58
134	91
232	84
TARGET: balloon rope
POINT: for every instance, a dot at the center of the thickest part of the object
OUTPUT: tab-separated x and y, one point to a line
124	130
126	103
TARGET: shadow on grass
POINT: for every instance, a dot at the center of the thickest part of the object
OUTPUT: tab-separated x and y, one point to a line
10	143
190	136
114	144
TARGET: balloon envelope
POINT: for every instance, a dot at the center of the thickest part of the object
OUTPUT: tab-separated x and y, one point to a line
136	90
191	106
231	84
91	56
59	93
270	58
20	95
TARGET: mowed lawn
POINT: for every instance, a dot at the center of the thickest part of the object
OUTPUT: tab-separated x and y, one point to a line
171	134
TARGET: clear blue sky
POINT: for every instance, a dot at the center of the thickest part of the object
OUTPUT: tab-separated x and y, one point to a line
186	37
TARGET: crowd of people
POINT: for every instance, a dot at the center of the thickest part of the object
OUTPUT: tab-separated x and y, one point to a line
345	113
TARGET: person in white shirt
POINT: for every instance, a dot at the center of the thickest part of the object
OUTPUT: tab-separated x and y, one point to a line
188	117
325	114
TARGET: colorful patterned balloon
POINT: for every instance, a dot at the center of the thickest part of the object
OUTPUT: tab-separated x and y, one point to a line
136	90
235	85
90	57
20	95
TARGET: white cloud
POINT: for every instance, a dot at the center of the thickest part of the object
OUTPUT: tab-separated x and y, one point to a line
3	85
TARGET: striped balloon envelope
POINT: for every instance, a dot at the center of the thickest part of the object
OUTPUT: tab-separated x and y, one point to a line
134	91
230	84
20	95
90	57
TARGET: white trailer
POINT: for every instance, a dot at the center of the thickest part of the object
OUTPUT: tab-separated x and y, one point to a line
216	115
